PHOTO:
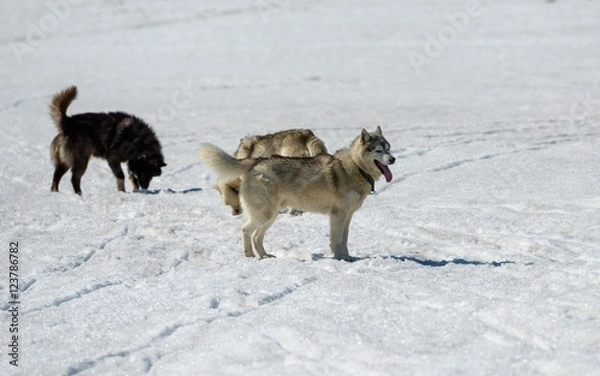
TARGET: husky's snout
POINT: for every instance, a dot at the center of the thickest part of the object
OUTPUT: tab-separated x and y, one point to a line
389	159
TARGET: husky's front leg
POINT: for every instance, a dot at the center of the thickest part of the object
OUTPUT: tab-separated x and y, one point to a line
346	229
339	223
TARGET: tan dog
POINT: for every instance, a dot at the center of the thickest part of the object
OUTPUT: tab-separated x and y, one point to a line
289	143
335	185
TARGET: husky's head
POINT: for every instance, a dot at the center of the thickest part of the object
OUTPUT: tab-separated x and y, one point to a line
230	193
143	168
376	155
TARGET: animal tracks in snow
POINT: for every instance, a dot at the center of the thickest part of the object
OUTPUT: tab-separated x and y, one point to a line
286	291
86	255
246	303
76	295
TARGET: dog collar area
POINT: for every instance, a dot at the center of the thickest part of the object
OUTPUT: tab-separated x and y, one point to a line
368	178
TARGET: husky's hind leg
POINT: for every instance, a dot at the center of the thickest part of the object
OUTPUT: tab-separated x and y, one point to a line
253	234
259	235
59	170
247	230
257	198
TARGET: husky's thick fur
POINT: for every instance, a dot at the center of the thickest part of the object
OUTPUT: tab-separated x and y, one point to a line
115	136
289	143
335	185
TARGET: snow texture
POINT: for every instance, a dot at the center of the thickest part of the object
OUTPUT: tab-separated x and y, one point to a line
481	257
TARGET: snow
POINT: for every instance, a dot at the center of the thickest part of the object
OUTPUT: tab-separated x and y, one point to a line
481	257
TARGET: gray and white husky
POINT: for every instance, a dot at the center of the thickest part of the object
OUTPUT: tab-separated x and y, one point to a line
288	143
335	185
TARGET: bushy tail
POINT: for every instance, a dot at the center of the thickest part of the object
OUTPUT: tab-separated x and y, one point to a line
224	165
315	146
60	103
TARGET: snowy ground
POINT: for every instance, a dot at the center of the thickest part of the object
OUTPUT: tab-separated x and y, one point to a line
482	256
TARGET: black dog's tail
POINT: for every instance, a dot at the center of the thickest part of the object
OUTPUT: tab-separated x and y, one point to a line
58	106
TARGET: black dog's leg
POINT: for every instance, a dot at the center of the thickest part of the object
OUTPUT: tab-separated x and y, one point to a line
134	182
76	174
115	166
59	170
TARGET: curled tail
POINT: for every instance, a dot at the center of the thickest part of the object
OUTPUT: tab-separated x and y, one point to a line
314	145
60	103
224	165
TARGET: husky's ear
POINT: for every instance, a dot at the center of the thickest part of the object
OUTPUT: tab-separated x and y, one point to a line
216	188
378	131
364	136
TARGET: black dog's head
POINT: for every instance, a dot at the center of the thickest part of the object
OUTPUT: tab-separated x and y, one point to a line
143	168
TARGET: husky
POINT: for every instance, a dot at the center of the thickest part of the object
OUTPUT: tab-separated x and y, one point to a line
335	185
289	143
115	136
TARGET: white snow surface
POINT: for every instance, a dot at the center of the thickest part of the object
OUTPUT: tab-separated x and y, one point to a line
481	257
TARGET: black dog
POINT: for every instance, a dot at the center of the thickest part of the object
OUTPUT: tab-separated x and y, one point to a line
115	136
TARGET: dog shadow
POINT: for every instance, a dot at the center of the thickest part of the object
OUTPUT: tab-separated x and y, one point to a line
423	262
166	191
455	261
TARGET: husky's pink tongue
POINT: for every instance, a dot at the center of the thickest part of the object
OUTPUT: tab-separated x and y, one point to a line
385	170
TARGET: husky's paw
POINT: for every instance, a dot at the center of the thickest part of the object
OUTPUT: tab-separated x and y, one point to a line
346	258
267	255
294	212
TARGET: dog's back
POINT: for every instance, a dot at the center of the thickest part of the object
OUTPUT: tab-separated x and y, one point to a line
288	143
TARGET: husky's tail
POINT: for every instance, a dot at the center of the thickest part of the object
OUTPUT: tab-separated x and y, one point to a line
224	165
314	144
58	106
